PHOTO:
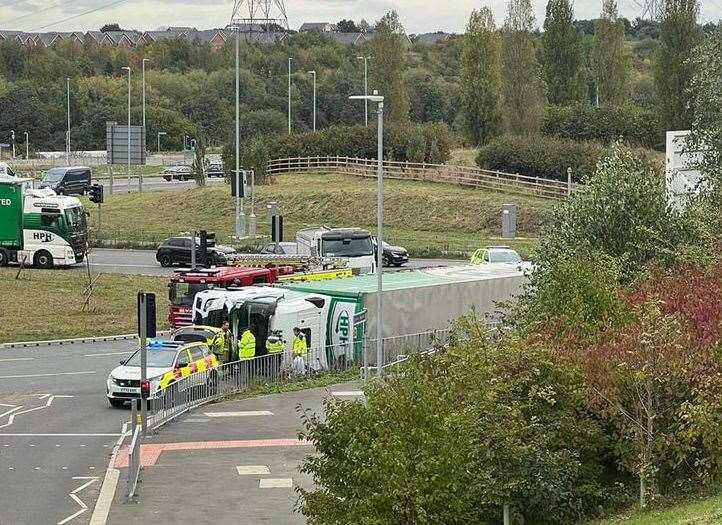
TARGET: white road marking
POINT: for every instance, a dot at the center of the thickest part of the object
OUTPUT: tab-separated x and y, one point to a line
106	354
275	483
76	499
351	393
124	265
110	482
60	435
11	410
47	375
239	414
248	470
17	359
50	397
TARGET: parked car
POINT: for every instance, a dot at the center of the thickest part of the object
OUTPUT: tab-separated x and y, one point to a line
284	248
501	256
67	181
215	169
393	255
177	173
177	250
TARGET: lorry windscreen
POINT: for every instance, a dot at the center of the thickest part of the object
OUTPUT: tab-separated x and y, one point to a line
348	247
75	217
182	294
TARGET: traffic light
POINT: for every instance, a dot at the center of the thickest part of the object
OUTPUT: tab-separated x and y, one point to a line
95	193
240	186
208	240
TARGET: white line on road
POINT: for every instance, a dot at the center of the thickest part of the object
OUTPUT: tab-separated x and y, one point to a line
11	410
76	499
17	359
60	435
239	414
47	375
252	470
275	483
112	265
46	405
106	354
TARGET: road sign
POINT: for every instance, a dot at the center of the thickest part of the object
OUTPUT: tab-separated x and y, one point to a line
117	144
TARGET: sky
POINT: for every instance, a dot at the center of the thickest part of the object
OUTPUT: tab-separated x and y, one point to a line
418	16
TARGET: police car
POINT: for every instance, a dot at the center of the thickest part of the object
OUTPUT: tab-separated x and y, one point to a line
167	362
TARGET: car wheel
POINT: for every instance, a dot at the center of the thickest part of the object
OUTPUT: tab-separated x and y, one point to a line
167	178
116	403
43	259
4	258
165	260
399	264
386	261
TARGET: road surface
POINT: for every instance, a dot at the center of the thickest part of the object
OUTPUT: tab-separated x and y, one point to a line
150	183
56	430
142	262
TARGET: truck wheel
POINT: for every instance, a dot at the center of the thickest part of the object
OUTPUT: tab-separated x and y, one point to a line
43	259
4	258
165	261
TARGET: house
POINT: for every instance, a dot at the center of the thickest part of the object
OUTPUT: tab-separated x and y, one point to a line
430	39
216	38
323	27
73	37
127	39
10	36
269	38
349	39
98	39
46	39
160	36
181	29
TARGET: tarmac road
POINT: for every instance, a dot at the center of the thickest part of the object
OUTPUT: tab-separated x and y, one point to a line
142	262
57	430
150	183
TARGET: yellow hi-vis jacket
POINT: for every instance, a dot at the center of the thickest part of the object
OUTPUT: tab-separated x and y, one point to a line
217	343
299	345
247	346
274	345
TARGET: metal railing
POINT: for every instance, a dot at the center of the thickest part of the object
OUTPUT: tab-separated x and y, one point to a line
133	453
461	175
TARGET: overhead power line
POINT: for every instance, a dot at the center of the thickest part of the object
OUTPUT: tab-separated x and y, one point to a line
35	12
89	11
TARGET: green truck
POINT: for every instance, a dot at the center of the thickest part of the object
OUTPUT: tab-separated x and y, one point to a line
40	227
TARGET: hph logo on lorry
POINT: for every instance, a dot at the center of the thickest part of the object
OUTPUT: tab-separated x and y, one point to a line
343	327
43	236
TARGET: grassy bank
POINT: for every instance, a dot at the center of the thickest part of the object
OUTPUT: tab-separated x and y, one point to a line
47	304
704	511
429	219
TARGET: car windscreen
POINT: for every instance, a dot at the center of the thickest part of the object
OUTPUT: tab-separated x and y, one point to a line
157	358
54	175
505	256
182	294
348	247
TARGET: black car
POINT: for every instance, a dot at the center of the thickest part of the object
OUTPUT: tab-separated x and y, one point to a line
393	255
67	181
177	250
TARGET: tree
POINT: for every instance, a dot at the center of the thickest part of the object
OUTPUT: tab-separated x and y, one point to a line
524	95
610	60
389	64
480	76
673	72
562	54
347	26
199	159
110	27
364	26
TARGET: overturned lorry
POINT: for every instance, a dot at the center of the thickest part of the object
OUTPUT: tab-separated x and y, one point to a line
339	316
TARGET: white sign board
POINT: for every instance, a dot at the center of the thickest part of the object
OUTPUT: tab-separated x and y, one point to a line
682	181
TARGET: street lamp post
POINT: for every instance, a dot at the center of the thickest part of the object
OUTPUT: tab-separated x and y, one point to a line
12	136
289	94
313	73
128	134
27	146
379	228
67	138
366	87
159	134
240	202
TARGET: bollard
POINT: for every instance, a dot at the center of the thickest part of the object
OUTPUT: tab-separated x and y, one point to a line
508	221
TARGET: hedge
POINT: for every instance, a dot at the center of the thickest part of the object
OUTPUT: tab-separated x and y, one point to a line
629	124
548	157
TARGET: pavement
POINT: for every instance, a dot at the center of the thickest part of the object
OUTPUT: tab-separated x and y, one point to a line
234	462
57	430
142	262
150	183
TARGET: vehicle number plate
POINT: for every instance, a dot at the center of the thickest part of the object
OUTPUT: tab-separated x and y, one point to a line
129	390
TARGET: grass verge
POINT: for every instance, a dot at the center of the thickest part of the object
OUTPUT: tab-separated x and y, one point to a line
294	385
701	511
48	304
428	219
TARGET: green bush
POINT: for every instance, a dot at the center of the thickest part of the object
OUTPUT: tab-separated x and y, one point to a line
540	156
254	155
452	439
629	124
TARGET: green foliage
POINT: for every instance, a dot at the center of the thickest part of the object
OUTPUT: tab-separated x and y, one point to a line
389	63
562	54
540	156
481	80
673	72
454	438
524	90
608	124
610	58
198	168
267	122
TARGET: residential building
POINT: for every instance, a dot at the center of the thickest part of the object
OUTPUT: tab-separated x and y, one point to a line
323	27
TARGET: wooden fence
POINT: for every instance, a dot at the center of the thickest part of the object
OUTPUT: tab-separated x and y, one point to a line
460	175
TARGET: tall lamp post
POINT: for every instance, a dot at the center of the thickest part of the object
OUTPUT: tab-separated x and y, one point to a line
366	86
12	137
240	203
127	68
27	146
289	94
159	135
313	73
379	227
67	138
